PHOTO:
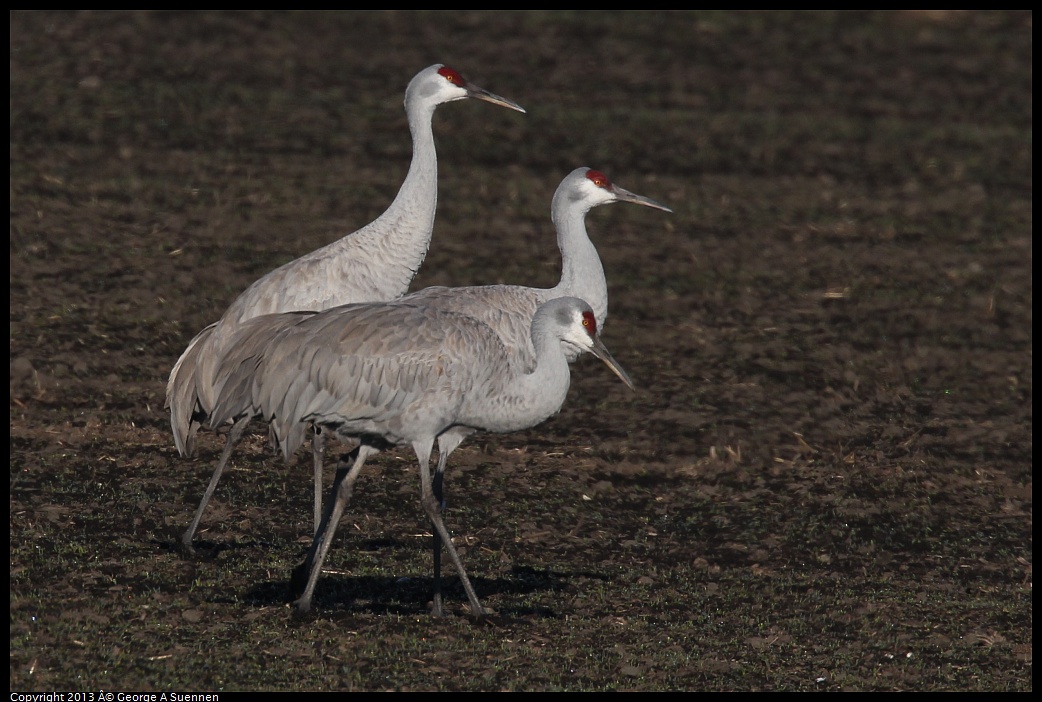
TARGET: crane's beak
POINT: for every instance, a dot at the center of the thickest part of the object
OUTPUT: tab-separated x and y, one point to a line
482	94
601	351
625	195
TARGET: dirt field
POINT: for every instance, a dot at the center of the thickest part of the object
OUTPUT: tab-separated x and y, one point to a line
822	482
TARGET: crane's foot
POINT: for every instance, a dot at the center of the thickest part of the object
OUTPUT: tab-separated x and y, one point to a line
475	612
301	608
187	549
199	550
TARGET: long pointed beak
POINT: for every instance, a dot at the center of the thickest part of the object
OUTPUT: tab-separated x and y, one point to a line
601	351
625	195
482	94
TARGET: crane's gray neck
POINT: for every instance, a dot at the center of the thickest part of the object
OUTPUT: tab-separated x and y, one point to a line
582	274
526	399
397	241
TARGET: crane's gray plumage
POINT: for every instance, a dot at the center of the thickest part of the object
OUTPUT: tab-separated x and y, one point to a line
401	374
509	309
375	263
254	334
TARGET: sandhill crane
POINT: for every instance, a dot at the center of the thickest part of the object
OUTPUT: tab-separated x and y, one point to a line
375	263
509	309
398	374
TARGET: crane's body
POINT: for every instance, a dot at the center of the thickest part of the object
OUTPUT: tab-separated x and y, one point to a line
399	374
375	263
509	309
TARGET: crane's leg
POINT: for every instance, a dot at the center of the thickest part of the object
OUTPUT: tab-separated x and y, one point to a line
447	443
317	453
439	498
343	486
234	435
433	509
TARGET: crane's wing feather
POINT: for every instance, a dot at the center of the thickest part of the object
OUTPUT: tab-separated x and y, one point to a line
507	309
371	369
237	367
182	390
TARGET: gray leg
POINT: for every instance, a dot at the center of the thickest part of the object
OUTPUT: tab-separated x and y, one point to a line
234	435
439	497
312	565
432	507
317	452
447	443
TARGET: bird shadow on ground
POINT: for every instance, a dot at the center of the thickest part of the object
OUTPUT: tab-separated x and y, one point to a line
381	595
205	550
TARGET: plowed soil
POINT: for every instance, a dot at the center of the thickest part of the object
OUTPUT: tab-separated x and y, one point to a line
822	482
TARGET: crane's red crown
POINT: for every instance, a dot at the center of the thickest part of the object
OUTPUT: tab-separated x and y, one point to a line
599	179
590	322
452	76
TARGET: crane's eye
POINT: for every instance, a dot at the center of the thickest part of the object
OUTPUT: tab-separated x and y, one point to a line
598	179
450	75
590	322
